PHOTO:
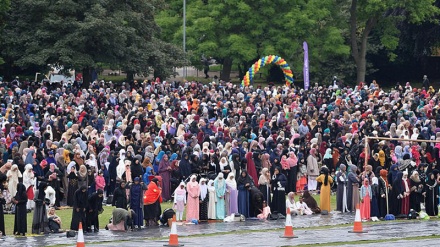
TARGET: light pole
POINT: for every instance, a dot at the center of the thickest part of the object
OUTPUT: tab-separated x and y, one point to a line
36	76
184	37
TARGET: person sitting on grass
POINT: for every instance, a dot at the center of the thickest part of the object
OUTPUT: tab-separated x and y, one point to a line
54	221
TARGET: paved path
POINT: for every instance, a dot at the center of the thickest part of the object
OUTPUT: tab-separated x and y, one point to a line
254	233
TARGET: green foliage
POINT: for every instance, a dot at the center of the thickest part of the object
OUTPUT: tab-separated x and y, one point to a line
82	33
245	30
382	18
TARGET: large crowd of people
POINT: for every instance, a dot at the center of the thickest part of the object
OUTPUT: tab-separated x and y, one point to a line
214	150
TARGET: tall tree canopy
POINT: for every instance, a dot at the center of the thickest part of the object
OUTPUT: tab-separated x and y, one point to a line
80	33
241	31
383	17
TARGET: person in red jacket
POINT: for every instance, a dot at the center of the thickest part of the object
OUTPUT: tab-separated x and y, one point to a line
152	200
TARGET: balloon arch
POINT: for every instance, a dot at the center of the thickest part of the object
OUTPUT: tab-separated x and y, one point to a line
271	59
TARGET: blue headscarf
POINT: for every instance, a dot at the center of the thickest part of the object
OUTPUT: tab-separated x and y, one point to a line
173	157
159	156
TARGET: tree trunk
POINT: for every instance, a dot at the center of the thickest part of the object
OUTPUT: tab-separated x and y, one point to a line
87	77
130	76
240	71
361	69
226	71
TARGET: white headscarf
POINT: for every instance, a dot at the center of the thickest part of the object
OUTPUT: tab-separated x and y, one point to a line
28	176
203	189
230	181
220	180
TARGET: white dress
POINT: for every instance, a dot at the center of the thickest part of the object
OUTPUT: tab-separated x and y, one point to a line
211	205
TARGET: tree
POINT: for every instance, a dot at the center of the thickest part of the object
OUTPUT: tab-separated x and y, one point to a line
382	16
242	31
4	7
81	33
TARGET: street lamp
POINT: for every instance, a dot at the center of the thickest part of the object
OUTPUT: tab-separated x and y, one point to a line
184	36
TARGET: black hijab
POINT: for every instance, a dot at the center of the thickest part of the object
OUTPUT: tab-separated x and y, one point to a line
244	180
41	193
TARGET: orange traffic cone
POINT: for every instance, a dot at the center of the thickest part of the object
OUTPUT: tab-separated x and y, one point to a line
288	230
357	228
80	239
173	235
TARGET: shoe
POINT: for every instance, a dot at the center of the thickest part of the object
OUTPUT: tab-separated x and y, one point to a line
96	231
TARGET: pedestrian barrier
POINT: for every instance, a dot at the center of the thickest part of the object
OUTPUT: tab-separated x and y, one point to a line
80	240
288	229
173	241
357	228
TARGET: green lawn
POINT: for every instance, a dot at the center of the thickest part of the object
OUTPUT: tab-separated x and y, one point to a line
66	216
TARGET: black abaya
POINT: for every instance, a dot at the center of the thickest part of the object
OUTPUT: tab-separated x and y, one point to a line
256	205
431	199
80	204
279	194
203	212
415	197
395	202
383	198
2	202
20	222
40	222
73	186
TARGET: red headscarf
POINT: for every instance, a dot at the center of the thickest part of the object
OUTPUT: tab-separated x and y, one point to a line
152	194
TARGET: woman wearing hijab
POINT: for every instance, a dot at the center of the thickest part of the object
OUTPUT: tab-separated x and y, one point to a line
53	178
278	185
180	201
311	202
13	176
251	169
3	180
120	196
416	187
244	184
383	193
396	195
231	195
353	189
341	193
136	201
432	193
20	200
192	208
185	166
40	222
291	204
405	194
207	199
82	177
312	170
292	160
73	186
326	182
264	184
374	197
80	205
29	182
365	194
328	159
165	173
220	192
152	200
94	208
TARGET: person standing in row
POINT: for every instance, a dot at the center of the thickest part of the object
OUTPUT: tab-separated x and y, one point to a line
20	201
192	209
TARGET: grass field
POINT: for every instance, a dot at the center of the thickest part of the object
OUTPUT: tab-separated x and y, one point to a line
66	216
